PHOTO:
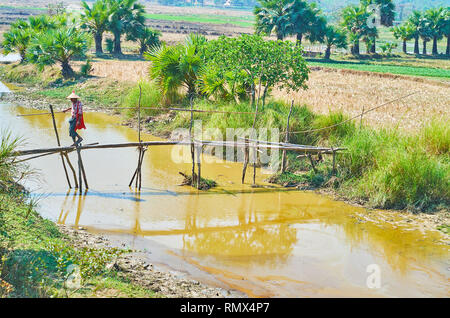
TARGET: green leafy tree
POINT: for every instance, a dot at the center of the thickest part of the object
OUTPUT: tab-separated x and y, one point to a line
273	16
334	37
124	16
95	19
404	32
60	45
249	60
146	37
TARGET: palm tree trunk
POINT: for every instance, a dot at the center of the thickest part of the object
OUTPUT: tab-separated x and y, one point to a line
424	52
98	43
435	49
356	48
117	45
447	52
299	38
373	48
404	47
416	45
266	89
67	71
328	52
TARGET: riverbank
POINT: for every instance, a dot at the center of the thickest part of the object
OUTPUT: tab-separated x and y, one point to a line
37	258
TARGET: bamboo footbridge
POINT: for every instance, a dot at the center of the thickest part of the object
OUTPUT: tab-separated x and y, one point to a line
196	147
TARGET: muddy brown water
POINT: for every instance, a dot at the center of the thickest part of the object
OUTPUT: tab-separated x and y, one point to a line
262	242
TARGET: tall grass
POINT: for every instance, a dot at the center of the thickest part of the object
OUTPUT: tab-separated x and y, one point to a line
389	169
150	97
8	168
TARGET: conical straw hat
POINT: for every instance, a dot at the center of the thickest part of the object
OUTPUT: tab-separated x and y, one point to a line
73	95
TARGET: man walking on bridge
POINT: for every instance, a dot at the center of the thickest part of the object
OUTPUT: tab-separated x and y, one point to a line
76	122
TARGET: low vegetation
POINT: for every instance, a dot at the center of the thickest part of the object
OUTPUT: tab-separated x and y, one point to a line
36	259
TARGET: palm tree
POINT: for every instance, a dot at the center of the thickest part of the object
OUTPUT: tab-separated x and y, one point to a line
307	20
334	37
58	46
425	33
95	19
273	16
16	40
176	66
446	29
436	18
414	20
354	19
404	32
146	38
124	15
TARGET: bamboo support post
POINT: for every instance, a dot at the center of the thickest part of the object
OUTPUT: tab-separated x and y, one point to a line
199	174
59	144
361	120
73	170
334	161
286	139
312	162
192	144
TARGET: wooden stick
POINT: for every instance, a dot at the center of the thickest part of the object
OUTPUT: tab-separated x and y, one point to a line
71	168
312	163
140	169
79	171
298	148
199	175
154	108
334	161
246	156
59	144
192	144
286	139
139	114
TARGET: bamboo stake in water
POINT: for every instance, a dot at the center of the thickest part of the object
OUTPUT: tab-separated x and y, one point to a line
192	144
286	139
59	144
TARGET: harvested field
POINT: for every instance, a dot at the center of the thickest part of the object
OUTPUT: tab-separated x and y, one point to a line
124	70
350	91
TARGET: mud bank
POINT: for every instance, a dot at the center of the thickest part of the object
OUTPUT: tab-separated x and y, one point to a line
134	266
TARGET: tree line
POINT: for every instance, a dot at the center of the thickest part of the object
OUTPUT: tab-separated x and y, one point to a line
47	40
304	19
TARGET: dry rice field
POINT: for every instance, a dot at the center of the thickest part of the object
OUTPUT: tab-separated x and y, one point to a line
349	92
340	90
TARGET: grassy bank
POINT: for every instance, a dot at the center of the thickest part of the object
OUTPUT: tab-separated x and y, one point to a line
37	260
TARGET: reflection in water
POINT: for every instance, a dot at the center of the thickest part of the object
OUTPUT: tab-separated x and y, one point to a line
265	241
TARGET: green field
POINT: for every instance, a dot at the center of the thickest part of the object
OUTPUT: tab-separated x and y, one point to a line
241	21
383	68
